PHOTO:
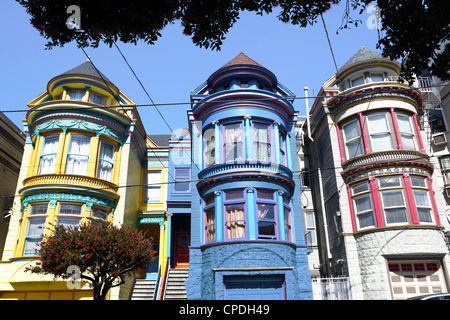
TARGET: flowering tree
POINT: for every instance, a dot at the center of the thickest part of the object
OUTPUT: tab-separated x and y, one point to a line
101	253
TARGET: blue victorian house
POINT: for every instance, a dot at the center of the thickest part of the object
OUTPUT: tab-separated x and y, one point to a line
247	238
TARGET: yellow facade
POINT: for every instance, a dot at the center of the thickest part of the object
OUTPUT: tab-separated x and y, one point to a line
81	160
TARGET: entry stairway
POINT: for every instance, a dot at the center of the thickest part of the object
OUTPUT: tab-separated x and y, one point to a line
173	287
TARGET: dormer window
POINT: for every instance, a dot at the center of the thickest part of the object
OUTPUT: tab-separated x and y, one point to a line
96	98
76	94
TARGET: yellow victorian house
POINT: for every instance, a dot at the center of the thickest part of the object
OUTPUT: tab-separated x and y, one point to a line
86	155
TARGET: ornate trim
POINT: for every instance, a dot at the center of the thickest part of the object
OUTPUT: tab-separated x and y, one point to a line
53	197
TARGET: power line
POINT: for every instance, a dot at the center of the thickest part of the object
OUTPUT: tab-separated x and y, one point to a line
442	84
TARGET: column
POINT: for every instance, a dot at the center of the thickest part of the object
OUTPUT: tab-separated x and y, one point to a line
288	150
350	204
251	213
276	145
168	234
397	133
217	140
433	201
376	202
419	136
363	132
219	215
248	140
341	147
280	213
410	198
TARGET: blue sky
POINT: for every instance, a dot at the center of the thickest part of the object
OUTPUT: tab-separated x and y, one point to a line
174	66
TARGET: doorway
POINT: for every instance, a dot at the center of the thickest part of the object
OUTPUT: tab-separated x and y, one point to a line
182	242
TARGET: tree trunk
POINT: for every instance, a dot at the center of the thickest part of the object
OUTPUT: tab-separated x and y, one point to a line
100	291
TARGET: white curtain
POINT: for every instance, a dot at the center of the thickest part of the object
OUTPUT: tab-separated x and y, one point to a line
48	158
394	200
34	235
106	161
233	142
261	142
78	157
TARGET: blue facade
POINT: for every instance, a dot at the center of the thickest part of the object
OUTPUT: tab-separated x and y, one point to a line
246	217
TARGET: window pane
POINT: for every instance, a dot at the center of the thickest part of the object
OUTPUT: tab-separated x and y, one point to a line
363	204
210	224
351	130
354	148
154	177
48	155
408	142
395	215
78	157
106	161
389	182
96	98
421	198
69	222
234	194
266	229
37	209
233	145
418	181
404	125
264	194
377	123
182	174
358	81
101	214
266	211
153	194
209	147
424	214
76	94
393	199
72	209
35	227
154	186
376	77
366	219
381	142
235	222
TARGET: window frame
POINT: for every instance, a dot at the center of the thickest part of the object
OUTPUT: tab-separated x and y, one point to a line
234	202
208	206
371	135
390	189
69	154
32	218
359	195
426	191
236	142
53	137
412	133
156	186
100	160
274	221
268	143
346	142
177	181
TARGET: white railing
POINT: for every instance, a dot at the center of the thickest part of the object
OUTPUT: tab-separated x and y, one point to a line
331	289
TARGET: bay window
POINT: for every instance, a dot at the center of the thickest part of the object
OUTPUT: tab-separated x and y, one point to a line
78	155
48	154
106	161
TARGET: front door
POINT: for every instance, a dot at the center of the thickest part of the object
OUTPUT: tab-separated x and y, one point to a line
182	242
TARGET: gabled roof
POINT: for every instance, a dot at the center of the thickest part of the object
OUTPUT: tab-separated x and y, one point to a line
362	54
242	59
88	69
